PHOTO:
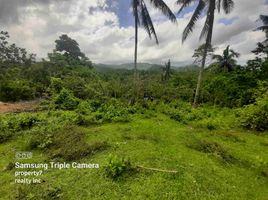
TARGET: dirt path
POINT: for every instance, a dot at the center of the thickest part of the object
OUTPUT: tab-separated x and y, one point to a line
24	106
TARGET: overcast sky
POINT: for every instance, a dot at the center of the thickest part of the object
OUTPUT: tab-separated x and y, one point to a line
104	29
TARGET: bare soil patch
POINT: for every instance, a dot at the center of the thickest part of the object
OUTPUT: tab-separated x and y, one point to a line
24	106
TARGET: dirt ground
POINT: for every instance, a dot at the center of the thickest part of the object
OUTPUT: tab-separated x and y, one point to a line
24	106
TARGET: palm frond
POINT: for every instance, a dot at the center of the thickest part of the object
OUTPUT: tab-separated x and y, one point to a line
264	19
219	5
217	57
185	3
208	26
162	6
227	6
135	7
262	28
234	54
196	15
147	22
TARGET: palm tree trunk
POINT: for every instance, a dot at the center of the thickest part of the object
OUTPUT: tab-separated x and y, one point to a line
200	76
135	58
212	7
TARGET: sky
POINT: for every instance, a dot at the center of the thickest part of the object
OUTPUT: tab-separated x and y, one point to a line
104	29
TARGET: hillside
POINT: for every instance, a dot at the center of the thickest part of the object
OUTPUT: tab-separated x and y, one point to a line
142	66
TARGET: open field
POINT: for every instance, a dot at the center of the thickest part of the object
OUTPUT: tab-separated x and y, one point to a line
211	164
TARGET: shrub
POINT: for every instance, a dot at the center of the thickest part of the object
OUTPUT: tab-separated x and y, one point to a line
95	105
65	100
255	116
116	166
18	122
40	141
56	85
84	107
76	84
113	111
116	114
15	90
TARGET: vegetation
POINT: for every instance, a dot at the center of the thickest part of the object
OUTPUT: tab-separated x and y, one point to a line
156	147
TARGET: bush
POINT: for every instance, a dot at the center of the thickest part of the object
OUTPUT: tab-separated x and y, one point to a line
116	166
112	111
18	122
116	114
16	90
184	113
255	117
66	100
40	141
84	107
56	85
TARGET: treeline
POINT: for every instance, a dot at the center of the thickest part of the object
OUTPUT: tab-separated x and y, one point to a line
225	82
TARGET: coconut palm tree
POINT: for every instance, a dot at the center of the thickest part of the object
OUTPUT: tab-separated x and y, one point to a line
226	61
208	7
142	18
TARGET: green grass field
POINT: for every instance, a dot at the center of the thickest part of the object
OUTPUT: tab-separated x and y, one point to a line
211	164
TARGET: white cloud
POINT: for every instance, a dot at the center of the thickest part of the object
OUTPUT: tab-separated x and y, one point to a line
104	41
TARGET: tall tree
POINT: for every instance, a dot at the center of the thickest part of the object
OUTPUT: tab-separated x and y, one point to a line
226	61
142	18
208	7
69	46
68	52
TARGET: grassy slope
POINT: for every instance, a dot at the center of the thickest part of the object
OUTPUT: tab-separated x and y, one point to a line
160	143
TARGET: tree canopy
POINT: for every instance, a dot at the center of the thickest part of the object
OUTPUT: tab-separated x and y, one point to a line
68	52
10	53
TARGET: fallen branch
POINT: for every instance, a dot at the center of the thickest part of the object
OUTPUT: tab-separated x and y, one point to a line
159	170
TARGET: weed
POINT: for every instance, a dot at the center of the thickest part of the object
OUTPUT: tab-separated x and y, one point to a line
116	166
